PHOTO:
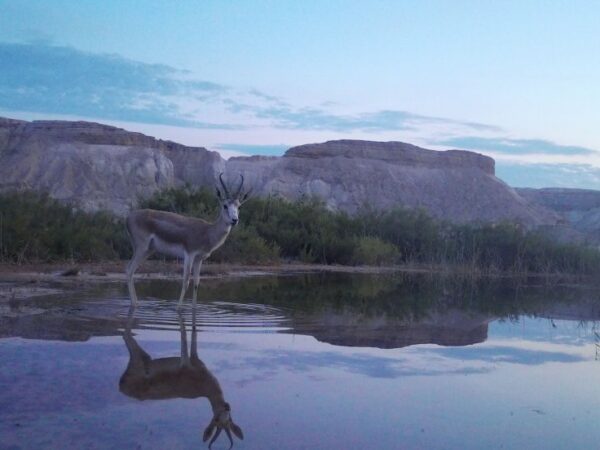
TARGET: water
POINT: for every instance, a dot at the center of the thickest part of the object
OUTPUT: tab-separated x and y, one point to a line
308	361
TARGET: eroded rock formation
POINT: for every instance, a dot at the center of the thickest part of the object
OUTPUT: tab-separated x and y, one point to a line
455	185
578	208
97	166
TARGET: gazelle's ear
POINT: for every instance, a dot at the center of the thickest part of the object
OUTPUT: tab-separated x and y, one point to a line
209	430
237	430
246	196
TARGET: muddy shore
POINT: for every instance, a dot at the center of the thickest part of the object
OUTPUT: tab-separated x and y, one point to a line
18	282
23	281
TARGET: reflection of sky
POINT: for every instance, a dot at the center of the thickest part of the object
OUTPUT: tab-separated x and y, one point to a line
527	386
540	329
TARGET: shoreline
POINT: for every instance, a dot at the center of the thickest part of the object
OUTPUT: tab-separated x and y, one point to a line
25	281
172	269
156	269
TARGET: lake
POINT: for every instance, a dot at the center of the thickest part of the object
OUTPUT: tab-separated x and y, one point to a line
307	361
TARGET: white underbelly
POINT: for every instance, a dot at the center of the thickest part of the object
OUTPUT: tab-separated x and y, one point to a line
167	248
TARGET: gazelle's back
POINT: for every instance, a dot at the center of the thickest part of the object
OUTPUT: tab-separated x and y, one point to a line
168	225
166	378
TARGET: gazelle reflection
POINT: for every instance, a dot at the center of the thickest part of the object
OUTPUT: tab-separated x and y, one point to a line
177	377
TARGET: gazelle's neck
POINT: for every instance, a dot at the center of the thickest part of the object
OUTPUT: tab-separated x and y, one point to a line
214	393
217	403
218	232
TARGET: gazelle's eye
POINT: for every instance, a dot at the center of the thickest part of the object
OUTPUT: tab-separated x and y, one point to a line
224	206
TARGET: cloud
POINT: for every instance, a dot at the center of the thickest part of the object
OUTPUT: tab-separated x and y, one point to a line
426	361
319	119
505	354
38	77
515	146
368	365
582	176
283	115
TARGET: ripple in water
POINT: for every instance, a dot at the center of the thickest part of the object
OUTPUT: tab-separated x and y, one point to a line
160	314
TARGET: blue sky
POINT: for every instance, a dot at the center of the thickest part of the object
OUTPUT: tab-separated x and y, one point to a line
517	80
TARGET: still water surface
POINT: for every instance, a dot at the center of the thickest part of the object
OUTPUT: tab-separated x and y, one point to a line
305	362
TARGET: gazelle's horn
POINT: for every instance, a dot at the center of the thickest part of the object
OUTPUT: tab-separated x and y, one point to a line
223	184
212	441
230	438
237	194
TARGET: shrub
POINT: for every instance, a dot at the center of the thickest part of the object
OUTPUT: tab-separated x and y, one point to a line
245	246
374	251
34	227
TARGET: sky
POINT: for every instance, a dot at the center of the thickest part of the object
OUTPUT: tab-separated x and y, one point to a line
515	80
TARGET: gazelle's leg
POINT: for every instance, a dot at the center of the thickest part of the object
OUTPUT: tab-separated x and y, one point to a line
197	267
185	359
139	255
194	347
139	360
187	263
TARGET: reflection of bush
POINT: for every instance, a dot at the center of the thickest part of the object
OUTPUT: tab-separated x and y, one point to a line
33	226
401	295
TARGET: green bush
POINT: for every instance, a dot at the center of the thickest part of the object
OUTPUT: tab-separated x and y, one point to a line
303	230
374	252
245	246
192	202
34	227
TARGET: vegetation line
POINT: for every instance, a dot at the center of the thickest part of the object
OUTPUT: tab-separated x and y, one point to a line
34	228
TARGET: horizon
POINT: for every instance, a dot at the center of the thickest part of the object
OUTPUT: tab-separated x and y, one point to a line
514	81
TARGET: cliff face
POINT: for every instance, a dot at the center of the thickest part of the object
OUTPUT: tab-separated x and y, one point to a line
578	208
455	185
394	153
97	166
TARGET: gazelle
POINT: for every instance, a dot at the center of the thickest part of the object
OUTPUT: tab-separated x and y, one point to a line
177	377
184	237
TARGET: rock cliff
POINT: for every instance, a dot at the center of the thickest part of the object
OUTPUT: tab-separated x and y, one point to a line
455	185
97	166
578	208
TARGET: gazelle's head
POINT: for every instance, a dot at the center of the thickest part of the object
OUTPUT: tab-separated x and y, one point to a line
222	421
230	204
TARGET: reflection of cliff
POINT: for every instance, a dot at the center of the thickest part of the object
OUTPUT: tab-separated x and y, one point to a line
349	310
450	328
583	310
55	327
